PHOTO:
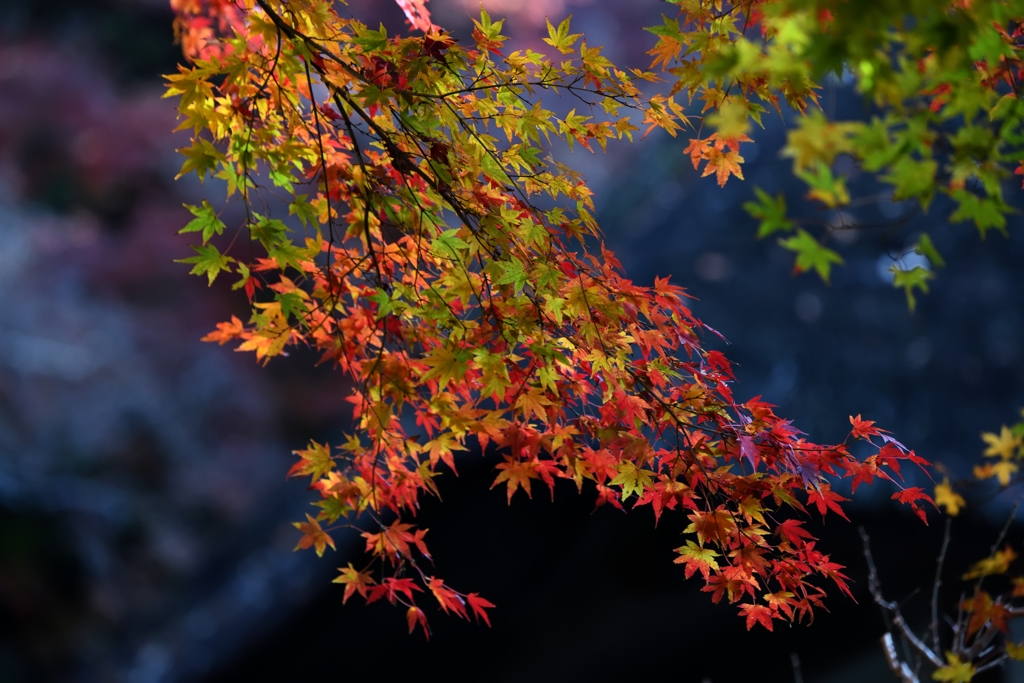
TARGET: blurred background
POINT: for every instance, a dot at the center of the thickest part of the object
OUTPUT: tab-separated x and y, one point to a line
144	513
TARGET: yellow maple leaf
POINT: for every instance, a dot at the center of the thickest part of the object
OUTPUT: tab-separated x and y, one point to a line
1002	470
999	563
1003	445
1014	650
955	671
949	499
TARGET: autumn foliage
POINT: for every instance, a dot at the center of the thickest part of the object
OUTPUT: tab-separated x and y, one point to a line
404	217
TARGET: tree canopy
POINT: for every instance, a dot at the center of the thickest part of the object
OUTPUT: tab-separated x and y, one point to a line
406	216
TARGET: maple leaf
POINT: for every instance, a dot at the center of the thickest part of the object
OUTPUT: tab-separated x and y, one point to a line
781	601
983	609
315	461
632	479
998	563
396	541
947	498
226	332
354	581
810	255
723	163
714	526
208	261
770	211
757	614
517	473
205	221
418	16
479	606
392	588
1002	470
910	496
698	150
560	38
1015	650
446	597
313	535
791	529
446	365
413	616
864	429
696	558
1004	446
955	671
826	499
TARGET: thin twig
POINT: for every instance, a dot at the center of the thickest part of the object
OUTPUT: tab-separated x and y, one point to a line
899	668
911	641
934	628
1000	538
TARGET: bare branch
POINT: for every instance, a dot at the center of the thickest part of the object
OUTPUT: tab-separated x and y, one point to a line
874	585
1001	538
934	627
899	668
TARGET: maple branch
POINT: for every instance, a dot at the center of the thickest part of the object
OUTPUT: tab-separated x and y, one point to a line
901	669
875	587
934	627
1000	538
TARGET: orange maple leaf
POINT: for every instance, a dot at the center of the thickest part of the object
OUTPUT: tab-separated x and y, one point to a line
446	597
983	609
697	149
354	581
414	616
723	163
757	614
517	473
313	535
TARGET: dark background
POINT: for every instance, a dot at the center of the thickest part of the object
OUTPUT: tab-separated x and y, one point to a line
144	515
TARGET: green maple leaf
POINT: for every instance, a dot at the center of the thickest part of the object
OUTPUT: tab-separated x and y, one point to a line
986	212
446	365
301	208
208	260
909	280
205	221
447	245
202	157
668	28
494	372
810	254
514	273
771	211
925	247
560	38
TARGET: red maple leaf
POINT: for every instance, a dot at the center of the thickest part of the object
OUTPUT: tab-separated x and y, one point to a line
793	532
479	606
863	429
416	616
446	597
910	496
826	499
757	614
